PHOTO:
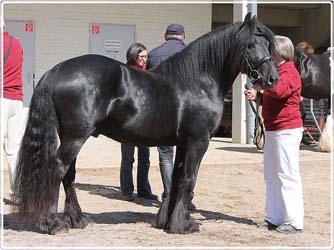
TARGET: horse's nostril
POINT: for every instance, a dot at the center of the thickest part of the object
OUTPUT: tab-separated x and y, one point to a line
272	79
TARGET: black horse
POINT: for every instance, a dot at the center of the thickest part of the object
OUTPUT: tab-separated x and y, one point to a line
178	103
315	74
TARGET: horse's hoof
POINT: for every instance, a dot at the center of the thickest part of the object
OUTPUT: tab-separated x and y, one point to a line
85	220
59	228
161	224
162	217
193	227
189	226
52	227
81	222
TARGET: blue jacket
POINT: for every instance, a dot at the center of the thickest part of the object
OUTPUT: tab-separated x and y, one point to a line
161	53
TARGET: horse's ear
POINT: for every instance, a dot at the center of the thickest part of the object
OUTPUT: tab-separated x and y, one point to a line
248	21
248	18
252	23
254	19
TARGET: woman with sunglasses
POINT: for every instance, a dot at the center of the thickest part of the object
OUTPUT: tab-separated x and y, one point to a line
136	57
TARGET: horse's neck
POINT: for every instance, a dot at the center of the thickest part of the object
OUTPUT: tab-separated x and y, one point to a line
216	56
224	53
231	66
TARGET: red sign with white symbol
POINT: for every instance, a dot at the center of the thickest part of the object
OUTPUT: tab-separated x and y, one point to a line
95	29
29	27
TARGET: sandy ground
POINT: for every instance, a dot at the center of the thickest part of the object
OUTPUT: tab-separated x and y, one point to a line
229	196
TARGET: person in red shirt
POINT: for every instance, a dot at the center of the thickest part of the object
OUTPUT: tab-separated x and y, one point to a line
136	57
284	129
12	115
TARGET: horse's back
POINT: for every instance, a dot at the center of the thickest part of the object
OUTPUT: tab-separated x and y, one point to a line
86	69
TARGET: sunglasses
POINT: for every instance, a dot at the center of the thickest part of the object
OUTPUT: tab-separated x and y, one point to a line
142	57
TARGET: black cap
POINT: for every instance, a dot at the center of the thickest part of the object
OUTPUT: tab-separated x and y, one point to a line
175	29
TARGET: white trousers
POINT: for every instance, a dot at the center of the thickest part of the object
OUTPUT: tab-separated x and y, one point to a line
284	195
12	128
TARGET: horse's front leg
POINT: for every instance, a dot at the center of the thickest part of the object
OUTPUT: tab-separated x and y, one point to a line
167	206
73	215
183	184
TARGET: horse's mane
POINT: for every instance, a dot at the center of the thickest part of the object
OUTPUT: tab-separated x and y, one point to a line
205	53
314	59
218	51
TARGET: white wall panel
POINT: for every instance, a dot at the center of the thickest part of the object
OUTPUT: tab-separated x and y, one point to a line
62	30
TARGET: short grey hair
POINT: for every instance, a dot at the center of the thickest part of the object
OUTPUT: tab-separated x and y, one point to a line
168	36
284	48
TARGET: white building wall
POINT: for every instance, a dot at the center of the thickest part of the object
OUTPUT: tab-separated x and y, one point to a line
62	30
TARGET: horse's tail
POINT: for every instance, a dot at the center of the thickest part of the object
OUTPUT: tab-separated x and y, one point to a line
36	159
326	136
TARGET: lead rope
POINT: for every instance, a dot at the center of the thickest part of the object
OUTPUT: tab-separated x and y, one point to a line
259	137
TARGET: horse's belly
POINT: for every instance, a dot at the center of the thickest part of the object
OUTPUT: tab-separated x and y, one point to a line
145	137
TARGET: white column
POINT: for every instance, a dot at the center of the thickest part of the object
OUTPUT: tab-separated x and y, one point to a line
250	115
238	98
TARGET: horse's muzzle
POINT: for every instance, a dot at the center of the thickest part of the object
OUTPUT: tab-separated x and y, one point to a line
270	82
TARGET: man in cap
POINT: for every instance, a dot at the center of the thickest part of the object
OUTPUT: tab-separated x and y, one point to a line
174	37
174	43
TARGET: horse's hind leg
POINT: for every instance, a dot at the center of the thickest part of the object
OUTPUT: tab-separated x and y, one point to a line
66	153
183	184
73	214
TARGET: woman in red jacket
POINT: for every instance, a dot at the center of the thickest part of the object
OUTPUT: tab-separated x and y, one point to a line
284	129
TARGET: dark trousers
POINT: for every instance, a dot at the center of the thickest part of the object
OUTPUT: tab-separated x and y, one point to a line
166	154
303	115
143	185
302	111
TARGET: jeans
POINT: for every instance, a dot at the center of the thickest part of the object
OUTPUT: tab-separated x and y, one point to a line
166	154
143	185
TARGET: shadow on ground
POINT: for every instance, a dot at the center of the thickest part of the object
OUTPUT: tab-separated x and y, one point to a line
312	147
241	149
114	192
209	215
126	217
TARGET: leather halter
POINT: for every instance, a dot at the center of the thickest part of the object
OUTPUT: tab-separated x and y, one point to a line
253	72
